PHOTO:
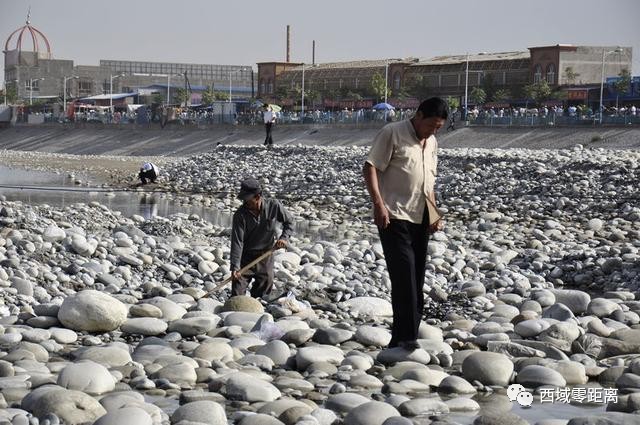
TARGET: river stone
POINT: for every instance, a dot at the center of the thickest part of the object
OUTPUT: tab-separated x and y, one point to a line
501	418
207	267
170	310
456	385
577	301
278	407
83	247
125	416
462	404
73	407
536	376
243	303
621	341
558	311
23	286
206	412
608	418
88	377
332	336
179	373
92	311
574	373
345	402
53	234
278	351
145	310
488	368
241	386
561	335
473	289
531	328
602	307
320	353
107	355
423	406
368	306
146	326
193	326
298	336
370	413
372	336
214	351
253	419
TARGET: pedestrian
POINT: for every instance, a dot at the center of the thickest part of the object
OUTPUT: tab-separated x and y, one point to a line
253	232
400	173
269	118
452	122
148	171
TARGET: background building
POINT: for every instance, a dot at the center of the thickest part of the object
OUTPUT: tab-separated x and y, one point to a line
33	74
502	76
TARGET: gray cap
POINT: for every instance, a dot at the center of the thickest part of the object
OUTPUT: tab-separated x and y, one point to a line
249	188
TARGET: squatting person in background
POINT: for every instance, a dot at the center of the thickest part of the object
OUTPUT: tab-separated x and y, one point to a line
253	232
400	174
148	171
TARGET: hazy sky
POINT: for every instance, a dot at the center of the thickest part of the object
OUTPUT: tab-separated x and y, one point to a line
244	32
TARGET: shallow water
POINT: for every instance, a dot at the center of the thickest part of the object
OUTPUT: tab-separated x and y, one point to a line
36	188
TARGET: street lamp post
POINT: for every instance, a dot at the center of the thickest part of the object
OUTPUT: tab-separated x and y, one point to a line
31	80
111	77
604	54
302	102
466	88
386	79
64	90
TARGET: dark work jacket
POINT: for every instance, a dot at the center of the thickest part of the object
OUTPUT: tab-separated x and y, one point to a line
252	235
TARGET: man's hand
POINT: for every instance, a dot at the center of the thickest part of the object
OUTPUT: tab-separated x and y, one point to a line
381	215
437	226
235	275
281	243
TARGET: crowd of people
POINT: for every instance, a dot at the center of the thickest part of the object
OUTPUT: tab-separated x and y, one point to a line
573	111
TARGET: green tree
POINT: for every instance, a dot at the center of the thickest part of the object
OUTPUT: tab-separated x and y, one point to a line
378	85
181	96
538	92
570	75
501	95
478	95
489	86
157	99
208	96
12	94
453	103
623	84
219	95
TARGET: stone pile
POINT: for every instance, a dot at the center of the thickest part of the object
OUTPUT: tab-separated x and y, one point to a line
535	281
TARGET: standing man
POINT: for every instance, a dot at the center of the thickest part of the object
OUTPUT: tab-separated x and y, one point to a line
253	232
400	174
269	118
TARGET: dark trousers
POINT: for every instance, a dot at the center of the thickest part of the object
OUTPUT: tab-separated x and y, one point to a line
405	250
268	140
261	274
147	175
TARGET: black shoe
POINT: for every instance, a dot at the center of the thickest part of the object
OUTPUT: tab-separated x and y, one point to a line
410	345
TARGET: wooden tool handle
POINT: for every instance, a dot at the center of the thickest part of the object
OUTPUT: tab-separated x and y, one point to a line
241	271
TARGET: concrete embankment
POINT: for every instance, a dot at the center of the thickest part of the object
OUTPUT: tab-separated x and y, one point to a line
179	141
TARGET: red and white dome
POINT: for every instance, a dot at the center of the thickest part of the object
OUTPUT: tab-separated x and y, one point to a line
19	40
